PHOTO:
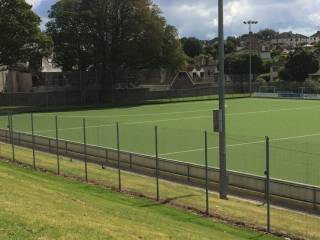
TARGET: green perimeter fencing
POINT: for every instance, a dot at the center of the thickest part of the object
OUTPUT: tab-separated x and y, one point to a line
296	160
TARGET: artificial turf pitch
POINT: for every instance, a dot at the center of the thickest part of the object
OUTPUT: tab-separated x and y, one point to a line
292	125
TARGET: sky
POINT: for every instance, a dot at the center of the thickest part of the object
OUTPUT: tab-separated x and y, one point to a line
199	18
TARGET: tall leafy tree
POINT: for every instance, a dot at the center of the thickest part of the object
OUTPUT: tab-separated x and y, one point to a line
300	64
112	35
266	34
21	39
68	32
230	45
192	46
239	64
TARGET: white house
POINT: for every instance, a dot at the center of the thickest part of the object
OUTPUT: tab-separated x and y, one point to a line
289	39
49	66
265	55
315	38
203	73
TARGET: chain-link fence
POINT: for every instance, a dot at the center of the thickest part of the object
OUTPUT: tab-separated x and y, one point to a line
283	172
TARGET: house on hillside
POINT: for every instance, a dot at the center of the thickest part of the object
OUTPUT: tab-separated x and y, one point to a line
289	40
203	75
48	65
13	81
49	77
315	38
256	44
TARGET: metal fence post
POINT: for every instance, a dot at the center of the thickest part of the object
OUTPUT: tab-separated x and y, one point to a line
106	160
267	173
33	144
157	159
206	170
130	160
0	141
118	153
57	145
47	99
11	136
85	149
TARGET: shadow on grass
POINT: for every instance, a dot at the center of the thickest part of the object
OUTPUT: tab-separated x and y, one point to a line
168	200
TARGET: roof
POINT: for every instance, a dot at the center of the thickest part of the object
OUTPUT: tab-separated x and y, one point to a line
317	34
315	74
286	35
49	66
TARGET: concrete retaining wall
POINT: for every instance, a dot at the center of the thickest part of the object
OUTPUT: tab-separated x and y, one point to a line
283	192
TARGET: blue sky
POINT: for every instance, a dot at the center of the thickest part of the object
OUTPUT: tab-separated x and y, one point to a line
199	17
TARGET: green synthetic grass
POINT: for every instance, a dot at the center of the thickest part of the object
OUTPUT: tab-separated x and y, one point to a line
35	205
292	125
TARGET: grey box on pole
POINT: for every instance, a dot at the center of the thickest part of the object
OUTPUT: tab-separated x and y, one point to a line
217	121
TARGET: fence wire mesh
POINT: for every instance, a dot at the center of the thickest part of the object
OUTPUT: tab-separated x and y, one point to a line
293	160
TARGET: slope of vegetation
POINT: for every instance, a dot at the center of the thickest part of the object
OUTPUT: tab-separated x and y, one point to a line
35	205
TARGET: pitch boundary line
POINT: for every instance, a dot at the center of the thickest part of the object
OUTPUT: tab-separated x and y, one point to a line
243	144
127	115
169	113
275	110
178	119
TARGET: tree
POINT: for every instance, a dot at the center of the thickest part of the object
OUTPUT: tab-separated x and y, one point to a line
21	39
173	56
230	45
210	51
237	64
113	36
266	34
69	35
299	65
192	46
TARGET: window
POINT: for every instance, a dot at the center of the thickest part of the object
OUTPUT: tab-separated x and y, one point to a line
209	72
194	75
202	75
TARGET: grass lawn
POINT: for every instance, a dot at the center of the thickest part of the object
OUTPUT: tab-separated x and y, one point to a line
292	125
251	214
36	205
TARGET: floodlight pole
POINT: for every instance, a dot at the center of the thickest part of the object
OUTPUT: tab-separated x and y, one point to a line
223	179
250	23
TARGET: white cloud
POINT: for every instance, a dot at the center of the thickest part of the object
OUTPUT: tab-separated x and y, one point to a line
34	3
200	17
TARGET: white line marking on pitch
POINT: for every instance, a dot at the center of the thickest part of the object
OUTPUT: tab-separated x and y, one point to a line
243	144
127	115
275	110
126	123
184	118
